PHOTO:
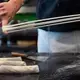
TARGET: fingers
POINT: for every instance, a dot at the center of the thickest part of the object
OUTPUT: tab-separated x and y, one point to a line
4	22
2	4
3	10
3	13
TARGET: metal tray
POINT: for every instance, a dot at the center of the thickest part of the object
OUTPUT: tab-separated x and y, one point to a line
59	66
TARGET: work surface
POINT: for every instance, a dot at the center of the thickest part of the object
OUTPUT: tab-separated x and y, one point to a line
60	66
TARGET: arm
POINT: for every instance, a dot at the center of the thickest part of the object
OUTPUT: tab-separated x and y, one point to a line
9	9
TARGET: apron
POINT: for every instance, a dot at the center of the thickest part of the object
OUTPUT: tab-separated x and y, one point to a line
53	42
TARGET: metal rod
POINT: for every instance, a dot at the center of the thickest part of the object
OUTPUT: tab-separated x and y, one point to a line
35	21
43	26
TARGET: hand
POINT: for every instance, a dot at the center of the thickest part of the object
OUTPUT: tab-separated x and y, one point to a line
7	11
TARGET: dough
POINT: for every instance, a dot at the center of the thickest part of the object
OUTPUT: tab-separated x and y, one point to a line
19	69
11	59
13	63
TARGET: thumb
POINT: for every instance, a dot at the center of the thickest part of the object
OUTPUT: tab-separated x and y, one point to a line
4	22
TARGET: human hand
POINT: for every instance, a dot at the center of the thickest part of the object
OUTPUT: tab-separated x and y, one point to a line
7	11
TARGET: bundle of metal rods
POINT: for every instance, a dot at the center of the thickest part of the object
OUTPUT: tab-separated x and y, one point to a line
41	23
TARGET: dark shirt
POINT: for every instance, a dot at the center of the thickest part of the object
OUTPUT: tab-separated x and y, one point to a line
1	0
54	8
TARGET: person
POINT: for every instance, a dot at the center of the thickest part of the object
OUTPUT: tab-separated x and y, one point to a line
7	11
58	38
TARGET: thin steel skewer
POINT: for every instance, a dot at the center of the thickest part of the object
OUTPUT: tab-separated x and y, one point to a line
44	26
42	23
